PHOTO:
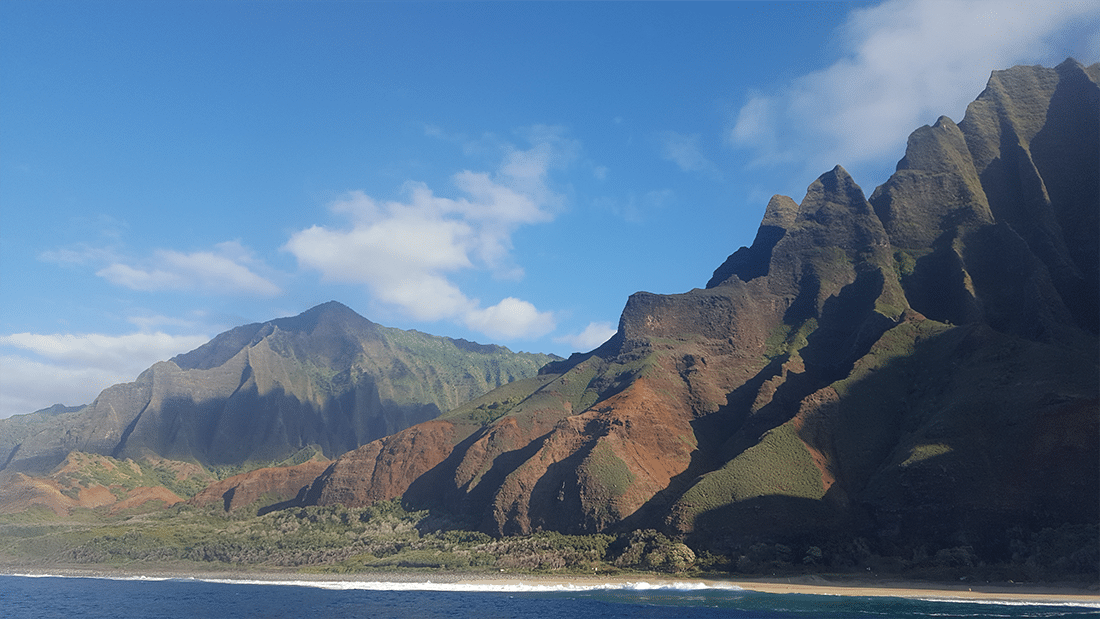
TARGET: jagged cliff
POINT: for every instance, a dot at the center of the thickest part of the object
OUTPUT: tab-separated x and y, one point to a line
920	365
326	380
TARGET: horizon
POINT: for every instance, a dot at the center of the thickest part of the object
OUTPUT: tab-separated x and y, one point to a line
503	173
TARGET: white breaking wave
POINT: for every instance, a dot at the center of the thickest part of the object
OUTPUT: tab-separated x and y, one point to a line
489	586
502	585
1002	602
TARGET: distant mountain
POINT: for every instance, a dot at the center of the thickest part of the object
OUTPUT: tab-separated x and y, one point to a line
918	369
326	380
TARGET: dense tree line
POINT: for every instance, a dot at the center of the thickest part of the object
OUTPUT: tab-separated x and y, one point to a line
385	536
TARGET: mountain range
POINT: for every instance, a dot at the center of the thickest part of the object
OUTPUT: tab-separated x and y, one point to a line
916	369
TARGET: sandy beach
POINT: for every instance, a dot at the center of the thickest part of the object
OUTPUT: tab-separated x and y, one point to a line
809	585
814	585
1037	594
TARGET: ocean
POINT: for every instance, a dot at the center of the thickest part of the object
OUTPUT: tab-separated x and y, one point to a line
51	597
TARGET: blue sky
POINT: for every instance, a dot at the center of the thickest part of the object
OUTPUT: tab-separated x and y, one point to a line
501	172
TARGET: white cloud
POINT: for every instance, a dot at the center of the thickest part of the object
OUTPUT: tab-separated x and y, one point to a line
135	351
227	270
593	335
406	251
27	385
511	318
908	62
38	370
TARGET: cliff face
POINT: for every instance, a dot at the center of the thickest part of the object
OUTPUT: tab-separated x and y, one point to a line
917	366
327	379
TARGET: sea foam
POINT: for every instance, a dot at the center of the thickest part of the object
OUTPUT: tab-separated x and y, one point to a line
489	586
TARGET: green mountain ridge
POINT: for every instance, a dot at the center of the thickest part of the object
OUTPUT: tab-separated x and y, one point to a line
327	379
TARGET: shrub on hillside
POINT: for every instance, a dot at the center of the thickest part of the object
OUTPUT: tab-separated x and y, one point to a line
649	550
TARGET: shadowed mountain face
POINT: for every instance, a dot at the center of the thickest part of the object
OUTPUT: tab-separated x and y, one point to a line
327	380
919	366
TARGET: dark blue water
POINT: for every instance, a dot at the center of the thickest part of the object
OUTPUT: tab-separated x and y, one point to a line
24	597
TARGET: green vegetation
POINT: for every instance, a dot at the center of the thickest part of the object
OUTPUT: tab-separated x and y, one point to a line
905	261
575	385
485	414
303	455
386	537
499	402
786	339
897	345
316	539
779	465
648	549
607	471
425	368
887	309
924	452
883	393
571	392
122	476
832	263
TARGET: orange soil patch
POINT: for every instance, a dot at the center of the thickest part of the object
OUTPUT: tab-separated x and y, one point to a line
144	494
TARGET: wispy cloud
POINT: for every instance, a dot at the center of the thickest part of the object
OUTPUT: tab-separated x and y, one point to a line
107	232
38	370
686	152
149	321
907	63
227	269
81	253
636	208
407	251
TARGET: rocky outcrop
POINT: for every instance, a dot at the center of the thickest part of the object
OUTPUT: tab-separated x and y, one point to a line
919	367
327	379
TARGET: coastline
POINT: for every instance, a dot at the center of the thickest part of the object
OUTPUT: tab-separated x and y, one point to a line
1002	593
